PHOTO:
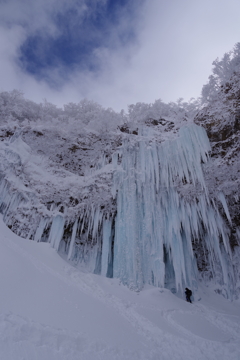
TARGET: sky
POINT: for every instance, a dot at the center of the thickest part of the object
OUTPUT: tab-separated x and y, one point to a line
114	52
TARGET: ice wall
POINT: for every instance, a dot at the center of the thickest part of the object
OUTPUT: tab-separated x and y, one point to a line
155	227
155	234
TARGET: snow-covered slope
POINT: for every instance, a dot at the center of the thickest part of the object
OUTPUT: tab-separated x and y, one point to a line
50	310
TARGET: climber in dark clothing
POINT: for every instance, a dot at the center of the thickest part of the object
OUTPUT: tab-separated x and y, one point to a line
188	294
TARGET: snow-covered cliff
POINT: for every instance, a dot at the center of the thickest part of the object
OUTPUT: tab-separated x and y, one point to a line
143	197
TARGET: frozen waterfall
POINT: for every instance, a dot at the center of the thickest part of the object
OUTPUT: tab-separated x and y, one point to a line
156	235
156	228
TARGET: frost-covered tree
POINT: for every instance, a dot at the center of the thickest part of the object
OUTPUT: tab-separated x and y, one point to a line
225	78
13	106
85	115
178	112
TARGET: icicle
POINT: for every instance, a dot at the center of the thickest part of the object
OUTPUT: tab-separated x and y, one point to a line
73	238
238	235
224	204
56	231
97	218
106	246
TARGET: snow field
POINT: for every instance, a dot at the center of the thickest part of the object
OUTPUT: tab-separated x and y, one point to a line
50	310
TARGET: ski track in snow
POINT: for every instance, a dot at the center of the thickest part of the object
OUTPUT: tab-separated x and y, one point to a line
23	339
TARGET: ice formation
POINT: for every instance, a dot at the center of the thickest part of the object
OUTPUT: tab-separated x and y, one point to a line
156	233
155	227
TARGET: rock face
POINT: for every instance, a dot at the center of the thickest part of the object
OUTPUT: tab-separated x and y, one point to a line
222	123
221	119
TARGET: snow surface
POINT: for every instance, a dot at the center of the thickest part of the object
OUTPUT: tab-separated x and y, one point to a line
50	310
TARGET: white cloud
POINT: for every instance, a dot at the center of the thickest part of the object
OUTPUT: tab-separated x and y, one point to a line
177	42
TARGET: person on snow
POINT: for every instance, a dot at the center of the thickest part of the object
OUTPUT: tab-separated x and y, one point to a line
188	294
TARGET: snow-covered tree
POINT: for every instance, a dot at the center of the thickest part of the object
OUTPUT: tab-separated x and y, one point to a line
225	78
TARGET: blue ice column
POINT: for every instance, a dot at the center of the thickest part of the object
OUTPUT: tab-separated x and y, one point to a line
56	231
106	248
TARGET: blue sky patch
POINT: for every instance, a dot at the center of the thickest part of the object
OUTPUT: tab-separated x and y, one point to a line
79	35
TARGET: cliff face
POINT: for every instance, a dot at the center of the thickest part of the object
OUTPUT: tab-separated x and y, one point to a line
146	201
60	162
221	119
